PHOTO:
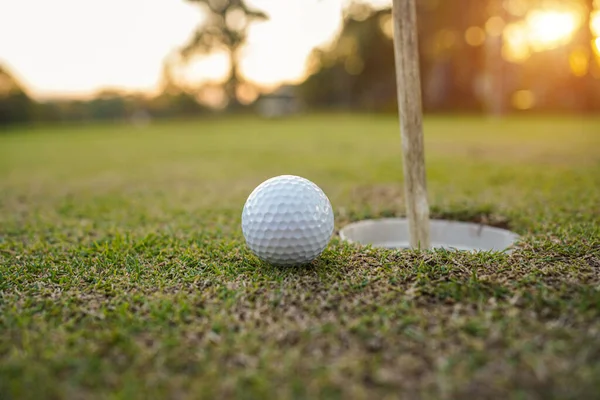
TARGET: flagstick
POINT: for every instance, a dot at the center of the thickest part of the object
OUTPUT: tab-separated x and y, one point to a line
408	83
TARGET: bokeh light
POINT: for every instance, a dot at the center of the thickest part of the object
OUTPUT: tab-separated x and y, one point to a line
523	99
578	61
495	26
475	36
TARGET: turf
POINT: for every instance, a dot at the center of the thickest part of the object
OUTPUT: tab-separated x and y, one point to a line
124	273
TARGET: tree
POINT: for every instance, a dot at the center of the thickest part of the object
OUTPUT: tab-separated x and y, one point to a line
226	28
586	85
15	104
358	69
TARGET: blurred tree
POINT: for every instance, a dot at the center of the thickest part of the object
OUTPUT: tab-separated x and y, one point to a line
174	104
108	105
174	99
465	59
226	27
358	69
452	62
15	105
586	85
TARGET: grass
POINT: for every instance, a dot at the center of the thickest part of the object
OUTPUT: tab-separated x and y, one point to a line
124	273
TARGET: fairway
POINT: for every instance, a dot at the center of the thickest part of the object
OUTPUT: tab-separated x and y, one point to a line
124	272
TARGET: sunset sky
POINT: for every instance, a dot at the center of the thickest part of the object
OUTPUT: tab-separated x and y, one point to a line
75	47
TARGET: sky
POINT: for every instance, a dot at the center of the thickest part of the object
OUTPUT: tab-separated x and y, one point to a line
72	48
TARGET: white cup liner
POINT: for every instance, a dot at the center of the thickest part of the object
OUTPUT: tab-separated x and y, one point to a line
392	233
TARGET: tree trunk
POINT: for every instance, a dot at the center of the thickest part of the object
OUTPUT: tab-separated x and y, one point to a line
495	91
585	84
233	81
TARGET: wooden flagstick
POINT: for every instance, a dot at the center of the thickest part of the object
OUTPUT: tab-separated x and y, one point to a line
408	83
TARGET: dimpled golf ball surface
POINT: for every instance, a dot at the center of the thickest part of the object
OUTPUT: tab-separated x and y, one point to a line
287	220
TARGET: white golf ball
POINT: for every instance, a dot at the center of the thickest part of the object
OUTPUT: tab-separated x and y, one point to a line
287	220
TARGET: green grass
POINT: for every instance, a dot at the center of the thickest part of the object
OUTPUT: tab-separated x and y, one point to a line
124	273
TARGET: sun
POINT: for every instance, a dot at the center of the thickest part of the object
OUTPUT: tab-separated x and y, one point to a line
548	29
542	30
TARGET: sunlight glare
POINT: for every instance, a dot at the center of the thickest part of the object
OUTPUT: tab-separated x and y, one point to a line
551	29
595	23
516	43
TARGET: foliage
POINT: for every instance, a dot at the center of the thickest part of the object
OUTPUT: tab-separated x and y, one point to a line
116	106
15	104
357	69
225	28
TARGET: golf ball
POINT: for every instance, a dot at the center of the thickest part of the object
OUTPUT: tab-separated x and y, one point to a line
287	220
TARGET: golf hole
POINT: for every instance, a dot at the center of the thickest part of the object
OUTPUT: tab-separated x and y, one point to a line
393	233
